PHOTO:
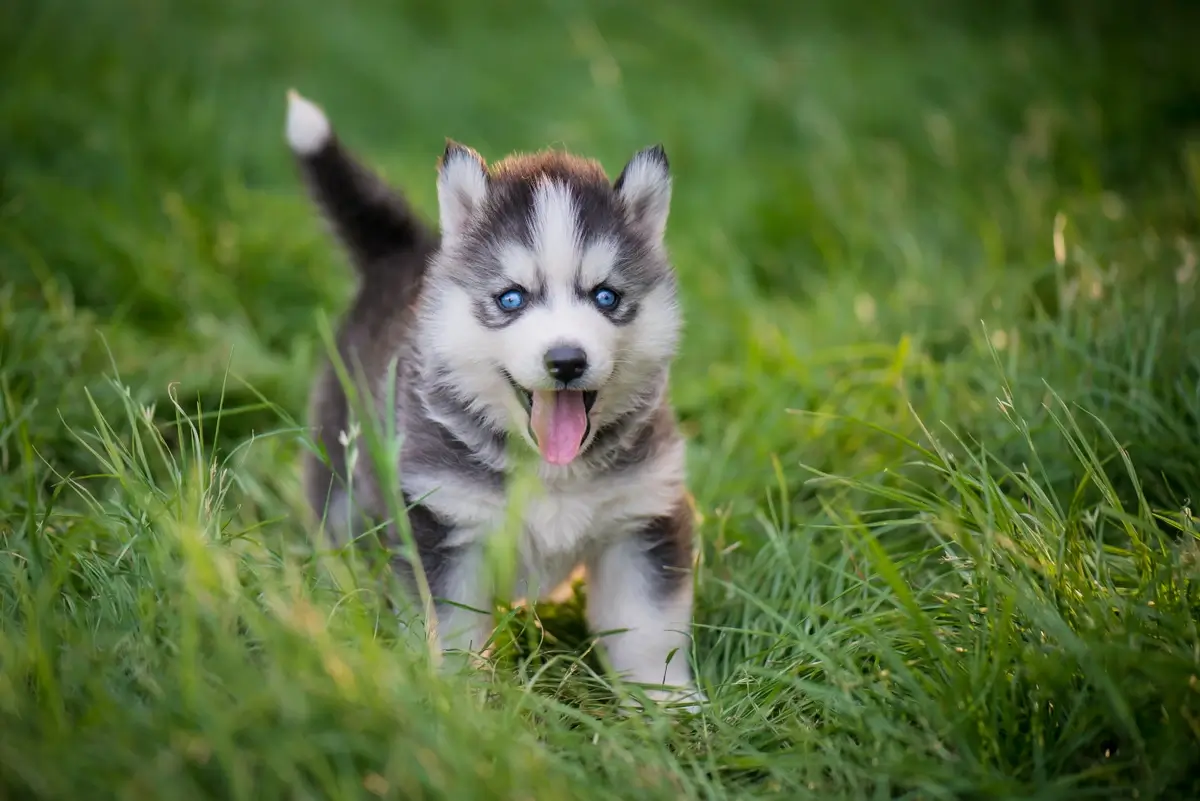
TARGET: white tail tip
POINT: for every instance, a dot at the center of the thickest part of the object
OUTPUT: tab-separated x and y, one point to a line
307	127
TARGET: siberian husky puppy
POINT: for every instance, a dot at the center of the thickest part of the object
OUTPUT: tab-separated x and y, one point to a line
543	316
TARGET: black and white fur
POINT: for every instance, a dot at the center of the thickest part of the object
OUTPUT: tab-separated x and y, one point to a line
555	225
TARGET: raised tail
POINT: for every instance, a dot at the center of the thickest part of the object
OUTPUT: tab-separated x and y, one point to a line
374	223
389	247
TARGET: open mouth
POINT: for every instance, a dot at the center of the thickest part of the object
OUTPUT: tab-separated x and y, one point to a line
559	419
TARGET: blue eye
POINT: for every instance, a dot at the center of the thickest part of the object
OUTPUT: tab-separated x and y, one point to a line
605	298
511	300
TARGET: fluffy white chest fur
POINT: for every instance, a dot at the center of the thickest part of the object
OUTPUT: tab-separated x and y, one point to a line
563	520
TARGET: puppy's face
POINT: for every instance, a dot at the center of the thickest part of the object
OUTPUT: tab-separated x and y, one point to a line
551	305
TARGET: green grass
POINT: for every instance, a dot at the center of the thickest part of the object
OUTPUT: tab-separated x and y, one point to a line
941	381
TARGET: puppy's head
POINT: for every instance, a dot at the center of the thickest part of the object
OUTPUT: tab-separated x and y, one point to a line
551	304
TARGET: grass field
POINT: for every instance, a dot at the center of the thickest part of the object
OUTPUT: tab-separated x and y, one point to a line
941	382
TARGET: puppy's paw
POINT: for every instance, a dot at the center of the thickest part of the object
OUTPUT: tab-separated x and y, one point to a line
672	700
684	699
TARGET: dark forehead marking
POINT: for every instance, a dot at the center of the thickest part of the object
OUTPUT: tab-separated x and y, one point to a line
514	186
508	217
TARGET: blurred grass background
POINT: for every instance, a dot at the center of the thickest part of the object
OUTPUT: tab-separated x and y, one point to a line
941	378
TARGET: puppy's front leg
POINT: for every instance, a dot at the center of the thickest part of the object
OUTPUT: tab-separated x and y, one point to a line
457	582
640	589
459	591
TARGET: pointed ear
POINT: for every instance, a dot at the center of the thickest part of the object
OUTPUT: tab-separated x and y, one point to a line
645	188
462	186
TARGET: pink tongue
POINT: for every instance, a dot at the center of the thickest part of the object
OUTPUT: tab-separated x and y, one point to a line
559	422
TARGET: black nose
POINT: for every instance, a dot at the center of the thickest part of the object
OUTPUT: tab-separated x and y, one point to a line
566	363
